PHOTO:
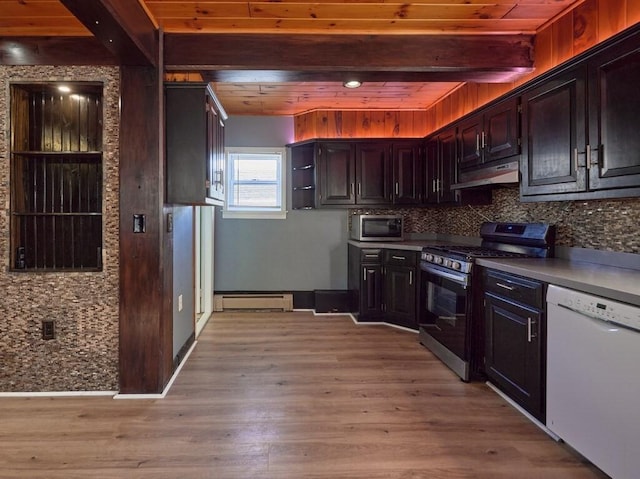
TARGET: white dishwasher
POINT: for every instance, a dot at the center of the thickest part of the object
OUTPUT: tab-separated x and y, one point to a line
593	378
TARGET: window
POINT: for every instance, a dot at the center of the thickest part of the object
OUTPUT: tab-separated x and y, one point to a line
56	177
255	183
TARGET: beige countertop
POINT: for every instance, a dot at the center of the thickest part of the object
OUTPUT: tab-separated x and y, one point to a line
613	282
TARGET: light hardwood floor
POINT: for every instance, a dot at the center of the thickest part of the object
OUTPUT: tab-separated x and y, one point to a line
284	396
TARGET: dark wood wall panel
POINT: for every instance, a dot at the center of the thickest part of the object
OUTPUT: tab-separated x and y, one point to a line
569	35
145	325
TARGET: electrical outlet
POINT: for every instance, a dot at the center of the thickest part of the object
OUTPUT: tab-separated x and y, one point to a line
180	303
48	329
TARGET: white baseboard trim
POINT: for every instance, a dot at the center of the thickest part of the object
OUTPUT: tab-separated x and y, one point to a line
167	387
364	323
27	394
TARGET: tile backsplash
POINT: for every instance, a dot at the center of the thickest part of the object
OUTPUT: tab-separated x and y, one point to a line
610	225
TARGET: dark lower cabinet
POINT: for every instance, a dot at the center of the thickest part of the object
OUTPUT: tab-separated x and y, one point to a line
515	339
400	295
382	283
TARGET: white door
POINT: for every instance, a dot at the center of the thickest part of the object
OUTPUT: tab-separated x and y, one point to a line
203	239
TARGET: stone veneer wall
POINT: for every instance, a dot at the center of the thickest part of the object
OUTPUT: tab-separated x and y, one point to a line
84	354
610	225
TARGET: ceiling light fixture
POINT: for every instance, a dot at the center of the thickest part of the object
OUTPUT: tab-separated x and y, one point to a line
64	88
352	84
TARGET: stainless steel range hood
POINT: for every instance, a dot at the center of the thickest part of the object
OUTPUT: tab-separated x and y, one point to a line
501	174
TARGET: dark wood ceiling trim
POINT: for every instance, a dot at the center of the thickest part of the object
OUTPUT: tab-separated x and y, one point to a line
54	51
441	53
122	26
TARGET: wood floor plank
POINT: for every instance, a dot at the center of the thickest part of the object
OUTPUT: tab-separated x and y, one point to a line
283	396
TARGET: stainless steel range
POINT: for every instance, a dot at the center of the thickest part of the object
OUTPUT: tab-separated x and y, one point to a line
451	317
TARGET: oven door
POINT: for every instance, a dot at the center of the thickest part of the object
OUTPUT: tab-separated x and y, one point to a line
444	310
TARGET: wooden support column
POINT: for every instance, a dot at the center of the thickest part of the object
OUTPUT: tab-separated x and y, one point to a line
146	327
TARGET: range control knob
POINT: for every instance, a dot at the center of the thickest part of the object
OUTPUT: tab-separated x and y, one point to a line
439	260
429	257
456	265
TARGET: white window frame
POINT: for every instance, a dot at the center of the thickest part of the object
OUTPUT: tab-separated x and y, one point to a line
258	213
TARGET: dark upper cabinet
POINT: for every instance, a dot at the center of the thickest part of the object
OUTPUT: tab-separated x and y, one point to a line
554	136
356	172
440	171
470	136
194	144
490	136
335	162
407	164
614	104
579	128
373	173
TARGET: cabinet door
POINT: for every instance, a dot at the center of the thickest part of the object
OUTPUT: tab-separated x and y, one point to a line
371	291
187	144
430	174
215	152
400	296
501	133
554	137
407	173
447	167
513	352
373	173
471	134
614	104
336	173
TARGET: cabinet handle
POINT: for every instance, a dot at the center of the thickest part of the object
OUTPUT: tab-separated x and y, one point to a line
397	188
359	189
575	158
402	258
410	278
364	274
478	144
483	140
510	288
352	189
588	159
530	333
433	187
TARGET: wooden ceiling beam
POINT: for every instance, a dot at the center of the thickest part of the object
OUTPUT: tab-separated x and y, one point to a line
122	26
458	56
278	76
54	51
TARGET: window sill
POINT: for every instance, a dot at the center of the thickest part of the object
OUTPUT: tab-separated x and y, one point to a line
254	215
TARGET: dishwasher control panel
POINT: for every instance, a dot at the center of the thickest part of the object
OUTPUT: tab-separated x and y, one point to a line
595	307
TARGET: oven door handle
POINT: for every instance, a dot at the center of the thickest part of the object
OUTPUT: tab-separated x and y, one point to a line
459	278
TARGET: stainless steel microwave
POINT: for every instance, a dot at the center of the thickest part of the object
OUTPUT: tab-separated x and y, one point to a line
377	228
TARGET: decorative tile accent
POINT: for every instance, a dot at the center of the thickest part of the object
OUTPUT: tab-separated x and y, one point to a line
84	306
610	225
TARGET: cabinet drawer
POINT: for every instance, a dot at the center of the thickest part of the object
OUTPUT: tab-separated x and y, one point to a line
370	255
515	288
398	257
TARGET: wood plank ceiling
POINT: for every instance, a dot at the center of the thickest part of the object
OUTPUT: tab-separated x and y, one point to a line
257	90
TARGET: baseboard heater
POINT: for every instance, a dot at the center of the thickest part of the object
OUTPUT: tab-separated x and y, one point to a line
248	301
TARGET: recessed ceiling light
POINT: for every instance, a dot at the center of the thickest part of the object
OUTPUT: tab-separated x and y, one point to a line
64	89
352	84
